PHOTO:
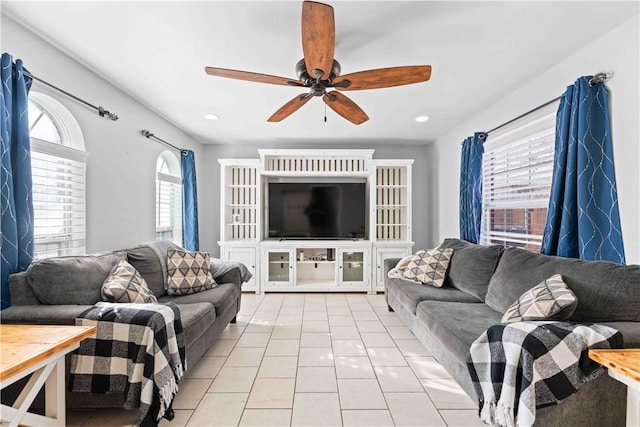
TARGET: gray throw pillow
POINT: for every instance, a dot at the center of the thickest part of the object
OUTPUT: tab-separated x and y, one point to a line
189	272
550	300
429	267
125	285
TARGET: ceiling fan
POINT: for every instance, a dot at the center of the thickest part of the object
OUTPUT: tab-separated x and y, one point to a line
319	71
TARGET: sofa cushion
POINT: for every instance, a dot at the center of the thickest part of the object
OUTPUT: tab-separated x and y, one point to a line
409	293
606	291
551	299
43	314
471	266
221	297
189	272
125	285
196	319
146	261
71	279
456	325
429	267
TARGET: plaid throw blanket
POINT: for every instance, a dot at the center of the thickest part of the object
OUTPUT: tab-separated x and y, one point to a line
519	366
139	350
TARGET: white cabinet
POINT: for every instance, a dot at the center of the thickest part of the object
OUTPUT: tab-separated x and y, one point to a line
277	268
247	256
354	268
382	253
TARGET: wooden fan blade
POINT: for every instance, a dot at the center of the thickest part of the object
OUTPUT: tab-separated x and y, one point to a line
318	37
383	77
345	107
252	77
290	107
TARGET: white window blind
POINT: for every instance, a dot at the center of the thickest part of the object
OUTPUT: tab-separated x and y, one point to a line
58	175
517	170
168	199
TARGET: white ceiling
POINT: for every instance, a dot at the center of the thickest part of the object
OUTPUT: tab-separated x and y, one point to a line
157	50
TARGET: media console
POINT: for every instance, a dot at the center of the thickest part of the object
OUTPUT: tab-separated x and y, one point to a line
314	264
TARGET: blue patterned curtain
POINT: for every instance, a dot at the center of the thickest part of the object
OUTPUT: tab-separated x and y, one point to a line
190	237
471	187
583	220
16	244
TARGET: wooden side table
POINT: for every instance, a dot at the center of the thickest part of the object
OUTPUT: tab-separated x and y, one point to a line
624	366
37	350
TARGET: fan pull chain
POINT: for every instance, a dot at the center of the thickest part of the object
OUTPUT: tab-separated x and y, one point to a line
325	113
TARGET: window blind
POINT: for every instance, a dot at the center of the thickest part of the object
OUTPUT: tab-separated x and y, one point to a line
168	208
58	175
517	170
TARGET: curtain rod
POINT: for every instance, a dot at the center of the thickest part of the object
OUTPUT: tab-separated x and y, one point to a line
598	78
149	135
101	111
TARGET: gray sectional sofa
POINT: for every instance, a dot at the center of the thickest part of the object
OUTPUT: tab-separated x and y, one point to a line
483	281
57	290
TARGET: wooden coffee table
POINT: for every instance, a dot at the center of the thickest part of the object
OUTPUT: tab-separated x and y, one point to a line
37	350
624	366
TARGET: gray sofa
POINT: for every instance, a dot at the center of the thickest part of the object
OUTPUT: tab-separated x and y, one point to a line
483	281
56	290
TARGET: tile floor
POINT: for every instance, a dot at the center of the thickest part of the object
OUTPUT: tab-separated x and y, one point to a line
312	360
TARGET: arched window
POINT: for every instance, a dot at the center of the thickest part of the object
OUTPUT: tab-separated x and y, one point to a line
168	198
58	165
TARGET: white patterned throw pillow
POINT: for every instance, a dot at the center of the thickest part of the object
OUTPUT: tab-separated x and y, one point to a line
550	300
429	267
189	272
126	285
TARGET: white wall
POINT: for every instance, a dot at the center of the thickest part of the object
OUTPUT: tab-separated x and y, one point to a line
121	163
420	175
616	51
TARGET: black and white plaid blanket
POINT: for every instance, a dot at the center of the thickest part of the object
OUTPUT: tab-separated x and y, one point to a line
521	366
139	350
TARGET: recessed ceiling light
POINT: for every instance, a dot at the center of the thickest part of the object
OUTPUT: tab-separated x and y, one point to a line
211	117
421	119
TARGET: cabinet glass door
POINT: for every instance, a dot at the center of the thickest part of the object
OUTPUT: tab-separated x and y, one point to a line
279	268
353	269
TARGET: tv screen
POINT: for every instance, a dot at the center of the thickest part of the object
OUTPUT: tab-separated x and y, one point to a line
317	210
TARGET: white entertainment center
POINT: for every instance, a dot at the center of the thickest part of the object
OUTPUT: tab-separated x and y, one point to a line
310	264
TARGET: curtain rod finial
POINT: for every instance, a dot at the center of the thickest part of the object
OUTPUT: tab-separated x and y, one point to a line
146	133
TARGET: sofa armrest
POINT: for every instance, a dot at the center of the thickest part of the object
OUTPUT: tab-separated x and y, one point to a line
232	276
388	265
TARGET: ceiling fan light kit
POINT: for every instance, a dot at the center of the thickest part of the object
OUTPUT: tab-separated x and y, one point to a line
319	71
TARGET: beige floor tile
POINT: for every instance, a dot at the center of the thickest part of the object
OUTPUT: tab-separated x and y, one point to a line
254	339
243	321
207	367
348	348
260	326
345	333
316	409
315	326
383	311
341	321
266	418
400	333
315	356
234	380
271	393
191	392
261	316
247	356
270	305
386	356
338	310
377	339
289	319
231	332
377	300
360	394
221	348
286	333
357	306
370	326
112	417
461	418
180	419
427	367
412	348
316	379
282	348
314	315
365	315
278	367
316	306
390	320
315	339
397	379
413	409
219	409
366	418
353	367
447	394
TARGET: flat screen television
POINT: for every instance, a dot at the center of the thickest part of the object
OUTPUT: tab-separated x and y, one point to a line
317	210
